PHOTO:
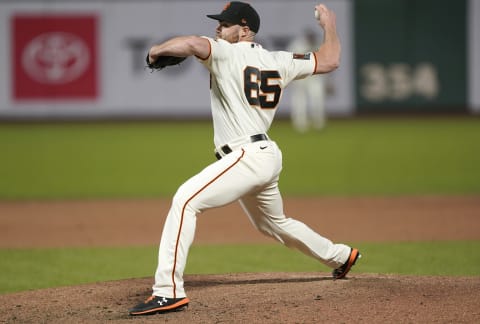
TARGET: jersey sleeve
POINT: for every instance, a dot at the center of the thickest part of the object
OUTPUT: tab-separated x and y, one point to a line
297	66
218	51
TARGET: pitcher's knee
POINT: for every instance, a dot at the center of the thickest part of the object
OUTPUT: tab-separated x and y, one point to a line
271	229
183	199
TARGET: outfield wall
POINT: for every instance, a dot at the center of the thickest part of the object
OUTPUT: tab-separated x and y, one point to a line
411	55
73	58
112	39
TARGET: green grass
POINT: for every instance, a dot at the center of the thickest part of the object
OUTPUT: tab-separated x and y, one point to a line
386	157
99	159
402	156
25	269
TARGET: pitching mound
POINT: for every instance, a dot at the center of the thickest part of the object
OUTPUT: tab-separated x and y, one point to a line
260	298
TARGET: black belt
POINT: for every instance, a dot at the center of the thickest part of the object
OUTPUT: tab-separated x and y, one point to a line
254	138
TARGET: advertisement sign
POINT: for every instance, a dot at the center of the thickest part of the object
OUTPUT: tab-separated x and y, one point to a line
54	57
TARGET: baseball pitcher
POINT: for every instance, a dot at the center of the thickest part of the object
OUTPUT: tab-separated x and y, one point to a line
246	85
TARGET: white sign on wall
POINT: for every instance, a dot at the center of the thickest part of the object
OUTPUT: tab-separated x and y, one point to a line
474	55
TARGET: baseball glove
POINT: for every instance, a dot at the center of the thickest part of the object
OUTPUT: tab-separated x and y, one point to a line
163	61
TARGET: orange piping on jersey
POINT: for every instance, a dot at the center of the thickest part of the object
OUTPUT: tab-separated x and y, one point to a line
316	63
209	52
183	213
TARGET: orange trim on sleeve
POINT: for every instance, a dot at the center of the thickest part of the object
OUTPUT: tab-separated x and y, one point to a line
316	63
209	51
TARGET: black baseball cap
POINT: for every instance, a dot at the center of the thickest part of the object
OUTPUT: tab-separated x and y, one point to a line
239	13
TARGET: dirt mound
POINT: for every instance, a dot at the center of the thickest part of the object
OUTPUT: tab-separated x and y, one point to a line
260	298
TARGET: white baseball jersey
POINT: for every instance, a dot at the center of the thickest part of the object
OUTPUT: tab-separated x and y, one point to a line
261	74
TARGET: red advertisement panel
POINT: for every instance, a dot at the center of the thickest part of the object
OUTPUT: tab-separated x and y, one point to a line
54	57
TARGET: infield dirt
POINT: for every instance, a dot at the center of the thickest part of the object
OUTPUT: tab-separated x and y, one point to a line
258	297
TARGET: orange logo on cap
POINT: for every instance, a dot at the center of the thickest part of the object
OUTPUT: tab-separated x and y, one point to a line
226	6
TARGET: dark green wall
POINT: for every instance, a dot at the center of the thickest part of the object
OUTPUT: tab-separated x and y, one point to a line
410	55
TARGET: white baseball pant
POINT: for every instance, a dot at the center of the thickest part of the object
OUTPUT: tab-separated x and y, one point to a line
250	174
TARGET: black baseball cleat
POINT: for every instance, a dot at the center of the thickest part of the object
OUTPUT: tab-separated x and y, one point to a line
341	272
157	304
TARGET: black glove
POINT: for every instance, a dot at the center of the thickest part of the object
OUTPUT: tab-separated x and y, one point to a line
163	61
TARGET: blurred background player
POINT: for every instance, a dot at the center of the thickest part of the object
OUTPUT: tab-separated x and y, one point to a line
308	95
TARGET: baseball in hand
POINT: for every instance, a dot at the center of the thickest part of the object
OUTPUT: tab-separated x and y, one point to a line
317	14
